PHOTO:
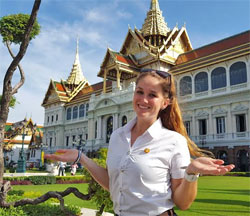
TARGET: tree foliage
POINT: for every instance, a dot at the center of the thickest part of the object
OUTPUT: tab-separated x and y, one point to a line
13	101
101	196
12	28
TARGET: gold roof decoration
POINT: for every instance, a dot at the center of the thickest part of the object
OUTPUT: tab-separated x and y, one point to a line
155	25
76	75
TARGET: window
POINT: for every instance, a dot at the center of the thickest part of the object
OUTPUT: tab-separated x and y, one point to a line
48	119
219	79
202	127
95	129
109	128
185	86
124	120
87	109
68	114
201	82
187	125
73	140
52	118
75	112
81	110
80	139
50	141
241	123
238	73
56	117
67	140
220	125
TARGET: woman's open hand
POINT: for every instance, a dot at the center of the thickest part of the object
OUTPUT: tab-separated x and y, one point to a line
208	166
65	155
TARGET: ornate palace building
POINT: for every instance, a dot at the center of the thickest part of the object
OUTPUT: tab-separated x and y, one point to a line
213	88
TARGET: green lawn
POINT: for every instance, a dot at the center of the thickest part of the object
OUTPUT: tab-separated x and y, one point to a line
221	195
217	196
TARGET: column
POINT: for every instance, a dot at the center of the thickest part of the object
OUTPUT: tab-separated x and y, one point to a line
193	87
99	127
118	78
115	121
104	81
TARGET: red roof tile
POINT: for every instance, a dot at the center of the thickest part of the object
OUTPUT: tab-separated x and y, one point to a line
218	46
59	87
123	59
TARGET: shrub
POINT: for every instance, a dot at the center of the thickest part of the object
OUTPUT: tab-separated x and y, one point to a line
47	209
244	174
101	197
16	192
40	180
12	169
12	211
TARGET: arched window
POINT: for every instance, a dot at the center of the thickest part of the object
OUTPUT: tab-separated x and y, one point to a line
81	110
238	73
87	109
68	113
185	86
218	77
109	128
75	112
124	120
201	82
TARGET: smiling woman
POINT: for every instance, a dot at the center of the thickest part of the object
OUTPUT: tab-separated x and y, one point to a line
148	162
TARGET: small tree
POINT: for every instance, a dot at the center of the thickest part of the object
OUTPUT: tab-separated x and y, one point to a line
14	29
101	196
20	29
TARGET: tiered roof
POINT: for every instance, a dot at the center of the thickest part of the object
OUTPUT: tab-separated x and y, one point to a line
154	43
14	131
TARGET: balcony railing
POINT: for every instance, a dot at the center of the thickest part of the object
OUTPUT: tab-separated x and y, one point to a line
204	139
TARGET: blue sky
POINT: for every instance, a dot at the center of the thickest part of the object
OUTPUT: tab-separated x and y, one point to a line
101	24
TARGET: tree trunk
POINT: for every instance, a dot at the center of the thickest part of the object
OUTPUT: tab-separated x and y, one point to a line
7	86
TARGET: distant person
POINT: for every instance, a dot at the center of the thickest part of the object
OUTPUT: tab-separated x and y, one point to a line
149	166
73	169
61	171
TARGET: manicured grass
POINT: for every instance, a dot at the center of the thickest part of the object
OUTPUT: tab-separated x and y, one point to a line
221	195
217	196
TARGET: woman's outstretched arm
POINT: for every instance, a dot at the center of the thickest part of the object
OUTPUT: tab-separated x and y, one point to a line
184	192
100	174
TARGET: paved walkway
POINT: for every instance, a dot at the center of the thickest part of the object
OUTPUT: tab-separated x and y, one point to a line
91	212
26	174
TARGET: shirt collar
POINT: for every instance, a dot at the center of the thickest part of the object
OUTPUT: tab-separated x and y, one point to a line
153	130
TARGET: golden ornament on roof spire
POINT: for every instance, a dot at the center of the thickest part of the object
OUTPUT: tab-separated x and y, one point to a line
76	75
155	28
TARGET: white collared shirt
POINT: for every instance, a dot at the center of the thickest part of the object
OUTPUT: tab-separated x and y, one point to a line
140	176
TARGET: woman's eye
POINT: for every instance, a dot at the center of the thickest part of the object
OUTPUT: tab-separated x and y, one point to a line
152	95
139	92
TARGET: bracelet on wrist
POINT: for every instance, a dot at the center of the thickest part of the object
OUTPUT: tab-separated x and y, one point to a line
78	157
191	177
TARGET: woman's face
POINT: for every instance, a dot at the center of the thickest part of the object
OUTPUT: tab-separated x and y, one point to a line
149	99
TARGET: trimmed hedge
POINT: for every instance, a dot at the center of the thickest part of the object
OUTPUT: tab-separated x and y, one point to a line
242	174
41	180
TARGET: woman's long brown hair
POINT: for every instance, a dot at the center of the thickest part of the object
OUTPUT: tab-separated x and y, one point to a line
171	117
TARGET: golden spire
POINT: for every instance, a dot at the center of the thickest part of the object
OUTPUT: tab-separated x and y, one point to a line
155	28
76	75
